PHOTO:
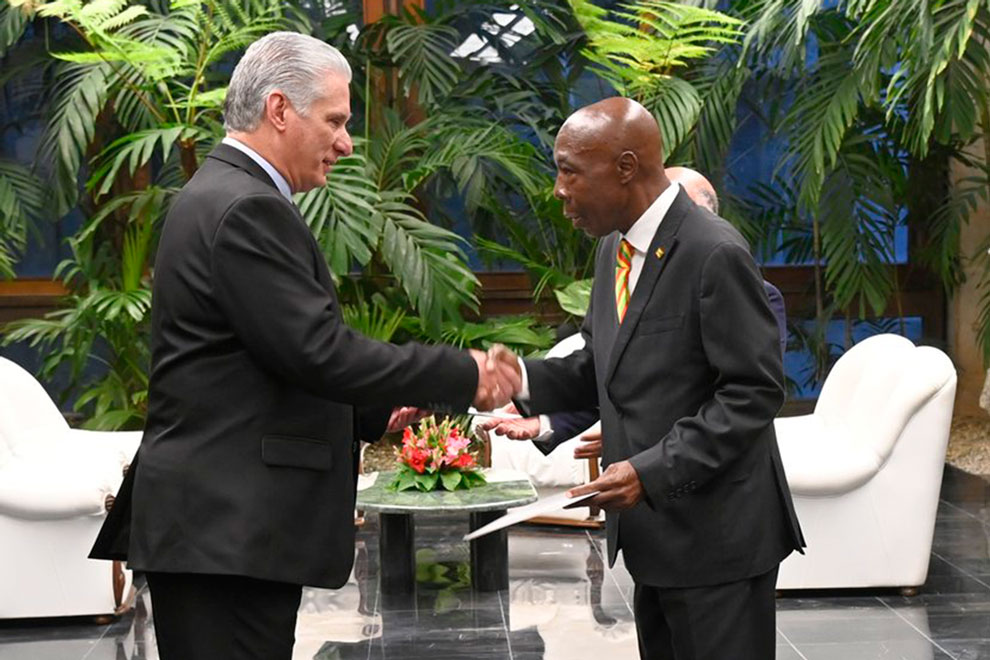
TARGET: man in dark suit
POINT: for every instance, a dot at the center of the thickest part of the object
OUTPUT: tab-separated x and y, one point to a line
259	394
549	431
682	358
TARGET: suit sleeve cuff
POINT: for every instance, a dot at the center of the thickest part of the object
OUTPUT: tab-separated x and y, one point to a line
524	391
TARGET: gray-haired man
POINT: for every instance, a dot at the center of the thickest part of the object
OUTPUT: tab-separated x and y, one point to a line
259	394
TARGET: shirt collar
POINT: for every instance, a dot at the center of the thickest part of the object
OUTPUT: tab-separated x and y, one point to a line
641	234
280	182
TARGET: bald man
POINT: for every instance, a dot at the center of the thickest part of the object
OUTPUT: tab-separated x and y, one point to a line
682	359
550	431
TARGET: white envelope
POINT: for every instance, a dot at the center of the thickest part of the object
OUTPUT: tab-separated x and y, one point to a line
521	513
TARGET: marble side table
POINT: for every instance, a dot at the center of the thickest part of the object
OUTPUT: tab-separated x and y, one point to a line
396	541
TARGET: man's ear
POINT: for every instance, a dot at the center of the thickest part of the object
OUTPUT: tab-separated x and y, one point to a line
276	109
627	165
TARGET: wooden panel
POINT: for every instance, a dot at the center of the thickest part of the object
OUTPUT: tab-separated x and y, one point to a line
921	295
28	298
375	9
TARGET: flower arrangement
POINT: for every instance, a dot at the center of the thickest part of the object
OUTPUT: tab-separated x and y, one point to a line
436	456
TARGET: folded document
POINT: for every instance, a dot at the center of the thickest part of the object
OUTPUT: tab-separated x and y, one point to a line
522	513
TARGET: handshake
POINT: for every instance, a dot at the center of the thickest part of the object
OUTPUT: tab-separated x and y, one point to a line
499	380
499	377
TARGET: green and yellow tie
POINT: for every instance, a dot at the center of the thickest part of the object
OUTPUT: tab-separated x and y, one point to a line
623	264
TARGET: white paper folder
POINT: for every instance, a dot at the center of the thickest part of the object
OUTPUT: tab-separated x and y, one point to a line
519	514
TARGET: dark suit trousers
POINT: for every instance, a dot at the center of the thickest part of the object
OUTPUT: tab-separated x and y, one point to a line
735	620
208	617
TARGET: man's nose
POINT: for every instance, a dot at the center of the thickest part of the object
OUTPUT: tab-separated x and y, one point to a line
558	190
344	144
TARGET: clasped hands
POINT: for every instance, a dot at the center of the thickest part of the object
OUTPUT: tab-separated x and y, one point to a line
499	380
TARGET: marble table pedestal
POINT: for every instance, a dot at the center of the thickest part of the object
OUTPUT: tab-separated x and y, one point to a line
397	537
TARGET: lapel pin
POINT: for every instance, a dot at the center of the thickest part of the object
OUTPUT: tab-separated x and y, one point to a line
659	253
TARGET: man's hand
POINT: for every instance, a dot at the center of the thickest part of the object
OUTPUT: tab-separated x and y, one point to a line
499	379
516	429
404	416
591	445
619	488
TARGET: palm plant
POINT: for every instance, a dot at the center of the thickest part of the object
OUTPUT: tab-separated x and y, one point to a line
666	56
875	89
469	130
21	204
136	95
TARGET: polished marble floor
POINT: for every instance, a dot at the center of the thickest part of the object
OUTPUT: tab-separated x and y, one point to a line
564	604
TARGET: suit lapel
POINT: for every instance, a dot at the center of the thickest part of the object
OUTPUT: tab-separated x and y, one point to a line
657	257
231	156
606	322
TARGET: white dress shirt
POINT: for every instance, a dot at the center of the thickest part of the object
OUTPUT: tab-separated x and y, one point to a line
280	182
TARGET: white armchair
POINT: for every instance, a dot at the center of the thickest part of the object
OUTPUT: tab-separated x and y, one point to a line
865	468
54	483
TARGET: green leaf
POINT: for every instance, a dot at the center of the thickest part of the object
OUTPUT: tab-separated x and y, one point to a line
451	480
135	150
575	297
427	481
422	52
22	199
13	21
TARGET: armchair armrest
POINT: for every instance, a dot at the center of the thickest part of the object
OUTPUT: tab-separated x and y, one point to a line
819	460
32	491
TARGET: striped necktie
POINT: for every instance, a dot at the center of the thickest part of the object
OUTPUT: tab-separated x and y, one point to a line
623	264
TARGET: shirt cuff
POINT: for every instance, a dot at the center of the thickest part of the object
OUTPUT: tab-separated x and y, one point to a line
545	426
524	392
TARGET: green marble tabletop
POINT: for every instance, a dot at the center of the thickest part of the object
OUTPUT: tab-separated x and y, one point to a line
492	496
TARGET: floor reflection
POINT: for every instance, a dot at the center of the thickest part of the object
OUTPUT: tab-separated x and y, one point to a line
564	603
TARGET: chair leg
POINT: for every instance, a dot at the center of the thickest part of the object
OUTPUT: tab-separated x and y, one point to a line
593	473
119	580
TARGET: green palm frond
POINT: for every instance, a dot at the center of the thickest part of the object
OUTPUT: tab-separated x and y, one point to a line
422	52
676	105
857	245
342	215
353	220
544	274
648	38
943	229
428	261
13	21
96	16
949	76
825	109
376	319
776	220
720	85
136	149
238	24
778	32
983	316
79	96
22	198
394	149
521	334
476	154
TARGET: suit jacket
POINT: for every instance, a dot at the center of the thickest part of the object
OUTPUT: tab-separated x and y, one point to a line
565	425
259	393
776	300
688	387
